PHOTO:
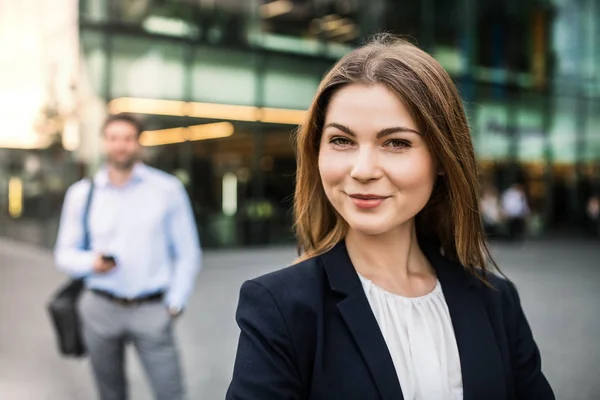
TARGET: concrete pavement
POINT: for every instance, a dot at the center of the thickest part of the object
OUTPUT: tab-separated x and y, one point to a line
558	283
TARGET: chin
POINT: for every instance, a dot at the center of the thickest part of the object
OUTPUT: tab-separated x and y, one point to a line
370	228
124	164
376	225
369	231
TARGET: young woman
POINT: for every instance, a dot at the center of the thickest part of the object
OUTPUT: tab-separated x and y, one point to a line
392	298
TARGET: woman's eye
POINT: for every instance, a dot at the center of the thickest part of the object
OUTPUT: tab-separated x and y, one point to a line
340	141
397	144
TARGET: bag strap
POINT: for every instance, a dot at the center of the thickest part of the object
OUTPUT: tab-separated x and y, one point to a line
86	216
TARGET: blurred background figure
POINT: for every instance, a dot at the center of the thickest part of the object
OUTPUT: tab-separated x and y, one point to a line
140	265
593	215
491	212
516	209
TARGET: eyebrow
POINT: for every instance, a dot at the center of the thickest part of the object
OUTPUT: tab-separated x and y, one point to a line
382	133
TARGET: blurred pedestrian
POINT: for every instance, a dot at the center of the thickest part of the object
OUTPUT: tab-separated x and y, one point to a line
516	210
491	212
140	270
393	297
593	215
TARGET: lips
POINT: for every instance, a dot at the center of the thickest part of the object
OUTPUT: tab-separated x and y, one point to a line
367	201
367	196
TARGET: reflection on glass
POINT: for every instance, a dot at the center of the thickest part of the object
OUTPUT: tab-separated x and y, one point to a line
15	197
229	194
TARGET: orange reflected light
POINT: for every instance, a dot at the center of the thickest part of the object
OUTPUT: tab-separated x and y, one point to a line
282	116
147	106
223	111
275	8
163	136
15	197
210	131
192	133
207	110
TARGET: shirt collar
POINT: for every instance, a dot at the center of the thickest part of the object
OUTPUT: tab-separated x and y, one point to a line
138	174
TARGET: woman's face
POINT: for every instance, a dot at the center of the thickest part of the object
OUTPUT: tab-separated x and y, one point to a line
375	167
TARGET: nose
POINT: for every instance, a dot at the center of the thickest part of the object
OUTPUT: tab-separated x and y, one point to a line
366	165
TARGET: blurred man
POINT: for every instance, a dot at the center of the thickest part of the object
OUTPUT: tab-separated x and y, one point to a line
516	210
142	265
491	211
593	214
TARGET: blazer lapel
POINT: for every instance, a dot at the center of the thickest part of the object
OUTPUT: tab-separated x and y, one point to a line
480	359
357	314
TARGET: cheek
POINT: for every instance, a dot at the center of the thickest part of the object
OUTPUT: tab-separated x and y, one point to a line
414	173
331	168
111	147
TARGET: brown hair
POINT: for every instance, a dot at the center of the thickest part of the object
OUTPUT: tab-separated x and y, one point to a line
124	117
451	218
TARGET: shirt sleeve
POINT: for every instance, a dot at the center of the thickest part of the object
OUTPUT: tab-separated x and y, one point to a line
69	255
185	248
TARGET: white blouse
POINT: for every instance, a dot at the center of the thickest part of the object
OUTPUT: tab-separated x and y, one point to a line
420	338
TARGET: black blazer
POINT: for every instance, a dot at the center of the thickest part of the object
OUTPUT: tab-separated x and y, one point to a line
308	332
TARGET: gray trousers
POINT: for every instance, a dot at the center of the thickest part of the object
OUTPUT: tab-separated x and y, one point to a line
108	327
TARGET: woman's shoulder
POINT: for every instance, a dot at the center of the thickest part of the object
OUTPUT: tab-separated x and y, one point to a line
491	284
287	300
498	290
297	282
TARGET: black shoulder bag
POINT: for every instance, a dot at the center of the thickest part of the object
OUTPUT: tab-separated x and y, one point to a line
63	305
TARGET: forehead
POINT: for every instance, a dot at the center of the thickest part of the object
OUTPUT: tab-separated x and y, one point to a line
368	106
120	127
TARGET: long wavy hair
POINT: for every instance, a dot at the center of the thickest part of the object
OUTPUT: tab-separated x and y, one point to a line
451	219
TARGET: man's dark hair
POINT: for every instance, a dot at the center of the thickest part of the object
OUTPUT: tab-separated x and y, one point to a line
124	117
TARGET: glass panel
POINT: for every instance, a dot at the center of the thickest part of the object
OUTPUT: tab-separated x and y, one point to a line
491	127
335	21
94	58
147	68
404	18
563	132
222	76
211	161
278	166
223	157
289	83
139	11
592	137
530	119
500	33
217	21
93	10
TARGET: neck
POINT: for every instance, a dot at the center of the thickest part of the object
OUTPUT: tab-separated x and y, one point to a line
119	176
392	260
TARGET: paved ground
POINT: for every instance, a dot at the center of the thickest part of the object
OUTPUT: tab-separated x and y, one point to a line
558	282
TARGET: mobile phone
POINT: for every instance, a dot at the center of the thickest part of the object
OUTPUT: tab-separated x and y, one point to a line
108	258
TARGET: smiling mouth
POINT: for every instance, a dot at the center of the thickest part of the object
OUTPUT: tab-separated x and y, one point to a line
367	200
367	196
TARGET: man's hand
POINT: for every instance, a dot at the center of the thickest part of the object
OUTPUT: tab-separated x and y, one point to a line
173	312
102	266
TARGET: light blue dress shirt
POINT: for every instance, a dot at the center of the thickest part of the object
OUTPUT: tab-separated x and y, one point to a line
147	225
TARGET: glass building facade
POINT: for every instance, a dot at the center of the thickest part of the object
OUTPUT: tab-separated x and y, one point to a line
222	84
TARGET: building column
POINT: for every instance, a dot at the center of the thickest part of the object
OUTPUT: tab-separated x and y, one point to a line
372	14
186	149
427	38
258	187
468	48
